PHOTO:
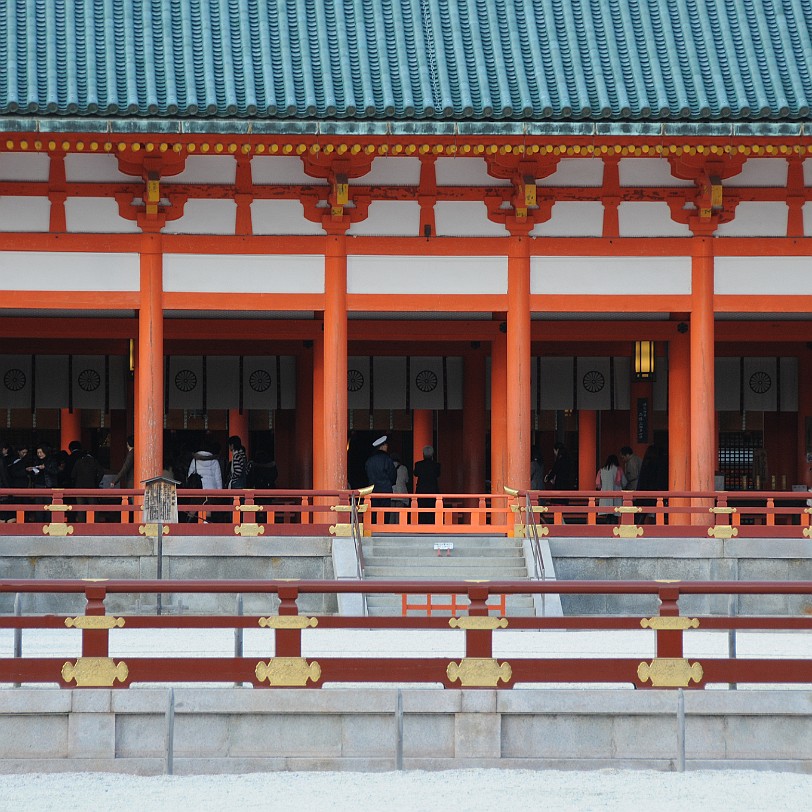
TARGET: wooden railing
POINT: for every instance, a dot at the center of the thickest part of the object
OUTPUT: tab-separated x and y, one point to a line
720	515
285	665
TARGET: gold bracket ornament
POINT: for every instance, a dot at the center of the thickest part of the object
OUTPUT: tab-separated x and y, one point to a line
59	508
478	623
342	530
95	672
152	530
627	531
670	672
628	509
249	529
723	531
94	622
479	672
57	529
288	672
808	532
288	622
669	623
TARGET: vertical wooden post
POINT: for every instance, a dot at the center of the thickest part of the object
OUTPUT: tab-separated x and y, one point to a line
679	420
238	424
335	360
518	417
498	412
70	427
319	413
303	472
149	417
422	432
587	449
473	423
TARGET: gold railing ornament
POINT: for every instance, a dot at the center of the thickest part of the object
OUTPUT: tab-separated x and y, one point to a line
479	623
288	622
95	672
94	622
723	531
288	672
150	530
627	531
57	528
807	532
661	623
670	672
249	529
479	672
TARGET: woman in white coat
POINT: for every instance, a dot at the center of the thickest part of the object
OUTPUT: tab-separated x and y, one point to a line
610	478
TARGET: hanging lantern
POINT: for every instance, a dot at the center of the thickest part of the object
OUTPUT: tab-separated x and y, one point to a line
644	360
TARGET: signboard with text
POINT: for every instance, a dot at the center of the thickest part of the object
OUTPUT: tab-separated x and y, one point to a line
160	501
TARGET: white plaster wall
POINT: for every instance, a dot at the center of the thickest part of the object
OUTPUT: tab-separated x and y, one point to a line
96	214
205	217
573	219
763	276
281	217
432	275
465	172
465	219
807	212
648	172
391	172
244	273
21	166
282	169
88	168
393	218
621	276
207	169
576	172
808	172
643	219
64	270
757	220
25	213
760	172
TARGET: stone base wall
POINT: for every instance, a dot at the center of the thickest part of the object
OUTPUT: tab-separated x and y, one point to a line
231	730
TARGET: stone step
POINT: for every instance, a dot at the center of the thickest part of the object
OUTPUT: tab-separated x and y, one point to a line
430	552
435	562
459	542
376	574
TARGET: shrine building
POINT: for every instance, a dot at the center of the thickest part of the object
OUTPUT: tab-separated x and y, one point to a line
485	226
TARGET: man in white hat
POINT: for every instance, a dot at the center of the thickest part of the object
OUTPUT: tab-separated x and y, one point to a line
382	473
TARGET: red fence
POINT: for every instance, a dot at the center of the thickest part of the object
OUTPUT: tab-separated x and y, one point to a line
747	514
477	668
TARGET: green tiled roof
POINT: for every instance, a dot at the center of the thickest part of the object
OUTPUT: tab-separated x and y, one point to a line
539	61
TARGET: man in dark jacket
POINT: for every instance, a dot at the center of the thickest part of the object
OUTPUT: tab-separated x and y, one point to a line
382	473
86	473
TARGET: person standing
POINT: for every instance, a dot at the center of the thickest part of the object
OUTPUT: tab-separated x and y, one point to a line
631	467
610	478
427	476
239	464
86	473
382	474
536	470
125	478
559	478
402	482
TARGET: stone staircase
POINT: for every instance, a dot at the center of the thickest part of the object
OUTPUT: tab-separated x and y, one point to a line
415	558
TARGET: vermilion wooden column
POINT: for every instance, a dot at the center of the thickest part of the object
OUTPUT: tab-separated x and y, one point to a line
703	444
238	424
519	428
303	473
679	418
498	415
335	362
70	427
318	413
149	417
473	423
422	432
587	449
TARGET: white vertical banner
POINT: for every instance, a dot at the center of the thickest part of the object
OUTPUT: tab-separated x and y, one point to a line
15	382
556	383
260	382
89	381
622	387
287	382
593	386
760	384
184	385
358	382
727	384
222	382
660	387
454	372
119	372
51	384
789	384
426	383
389	383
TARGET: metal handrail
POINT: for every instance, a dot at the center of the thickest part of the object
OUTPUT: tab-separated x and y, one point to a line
355	524
533	536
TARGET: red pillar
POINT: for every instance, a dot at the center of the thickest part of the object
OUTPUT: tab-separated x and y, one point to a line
473	423
149	417
238	424
422	432
498	413
335	361
303	471
70	427
319	414
518	418
679	418
587	449
703	443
